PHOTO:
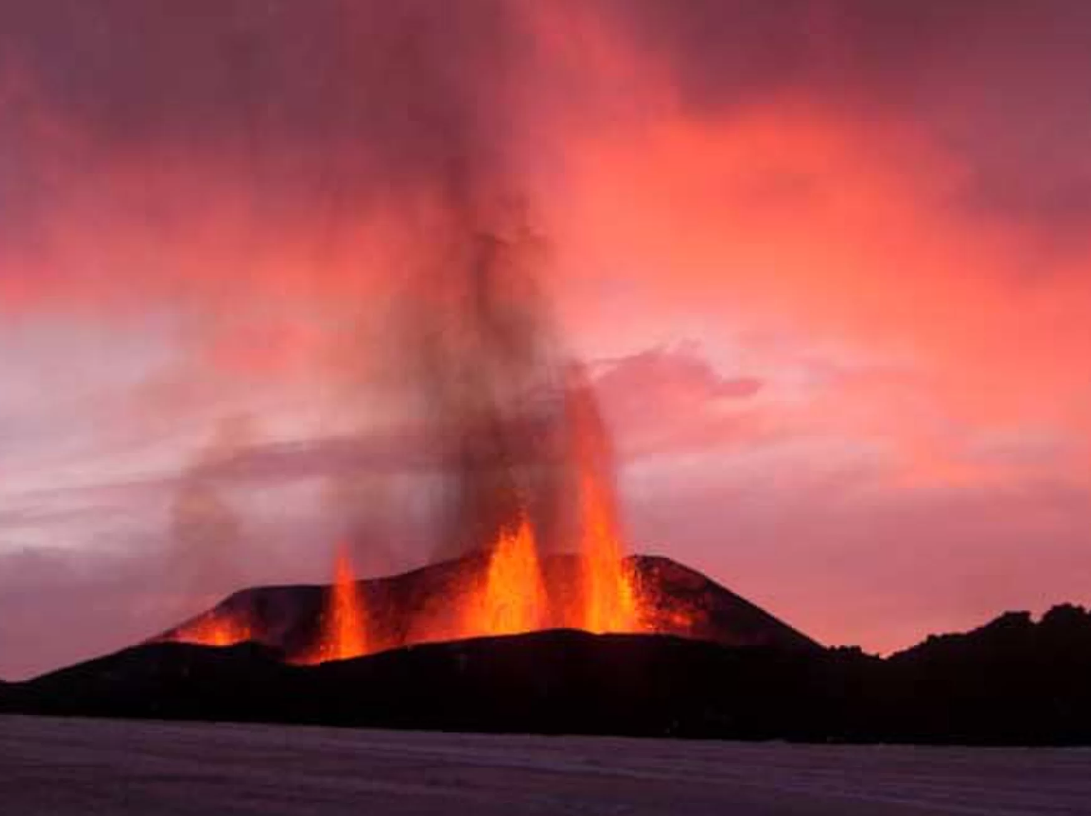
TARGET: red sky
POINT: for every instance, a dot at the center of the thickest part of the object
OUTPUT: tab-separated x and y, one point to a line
827	261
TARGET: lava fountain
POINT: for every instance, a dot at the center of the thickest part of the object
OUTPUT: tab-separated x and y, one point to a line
521	440
513	598
610	599
343	633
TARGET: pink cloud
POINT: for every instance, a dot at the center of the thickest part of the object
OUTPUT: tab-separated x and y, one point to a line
669	400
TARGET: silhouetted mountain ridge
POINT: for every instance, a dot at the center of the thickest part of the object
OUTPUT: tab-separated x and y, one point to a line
1064	625
1012	681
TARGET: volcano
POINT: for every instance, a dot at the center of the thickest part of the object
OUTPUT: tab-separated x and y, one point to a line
275	654
1012	682
427	606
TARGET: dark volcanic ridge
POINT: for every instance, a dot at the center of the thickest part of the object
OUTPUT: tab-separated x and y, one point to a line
557	681
1013	681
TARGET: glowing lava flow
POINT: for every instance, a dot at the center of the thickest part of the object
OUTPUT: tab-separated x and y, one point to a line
514	597
344	630
215	629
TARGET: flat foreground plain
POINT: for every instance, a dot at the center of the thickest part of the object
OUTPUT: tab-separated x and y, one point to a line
81	766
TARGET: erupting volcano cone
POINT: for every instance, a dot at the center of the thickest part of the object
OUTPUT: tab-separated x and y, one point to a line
445	602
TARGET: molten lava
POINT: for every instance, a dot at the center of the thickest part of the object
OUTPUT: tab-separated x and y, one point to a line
344	626
513	598
215	628
610	599
510	590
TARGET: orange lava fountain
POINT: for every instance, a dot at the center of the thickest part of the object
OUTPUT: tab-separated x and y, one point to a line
514	597
609	595
610	599
344	630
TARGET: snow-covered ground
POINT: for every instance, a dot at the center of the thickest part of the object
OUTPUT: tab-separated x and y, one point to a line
59	767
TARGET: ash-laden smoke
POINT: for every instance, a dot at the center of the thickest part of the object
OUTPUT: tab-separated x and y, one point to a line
206	529
494	379
364	507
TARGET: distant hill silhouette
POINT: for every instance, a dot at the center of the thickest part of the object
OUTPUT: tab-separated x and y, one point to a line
1013	681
